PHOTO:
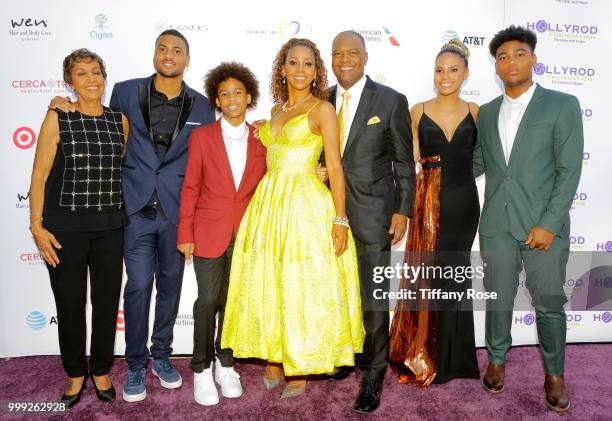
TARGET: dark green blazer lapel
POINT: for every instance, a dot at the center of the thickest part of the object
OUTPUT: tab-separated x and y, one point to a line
530	114
496	147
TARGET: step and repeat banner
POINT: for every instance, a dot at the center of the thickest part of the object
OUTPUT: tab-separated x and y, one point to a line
402	40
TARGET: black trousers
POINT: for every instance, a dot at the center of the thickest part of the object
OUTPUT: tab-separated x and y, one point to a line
101	253
373	361
212	275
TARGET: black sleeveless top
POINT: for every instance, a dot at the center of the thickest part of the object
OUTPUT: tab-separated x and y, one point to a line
83	190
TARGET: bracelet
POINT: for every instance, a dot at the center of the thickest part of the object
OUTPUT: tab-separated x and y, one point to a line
340	220
34	213
38	221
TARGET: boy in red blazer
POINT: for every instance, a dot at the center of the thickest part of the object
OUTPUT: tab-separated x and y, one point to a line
225	164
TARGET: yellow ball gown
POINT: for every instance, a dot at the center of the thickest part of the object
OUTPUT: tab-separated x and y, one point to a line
290	299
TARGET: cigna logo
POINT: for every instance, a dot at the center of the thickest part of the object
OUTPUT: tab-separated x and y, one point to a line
24	137
100	32
36	320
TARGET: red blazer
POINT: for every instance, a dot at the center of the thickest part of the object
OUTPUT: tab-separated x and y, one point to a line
211	208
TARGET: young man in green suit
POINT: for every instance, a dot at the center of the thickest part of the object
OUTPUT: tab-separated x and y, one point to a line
530	147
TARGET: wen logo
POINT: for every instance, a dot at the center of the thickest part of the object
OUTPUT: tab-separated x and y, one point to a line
28	22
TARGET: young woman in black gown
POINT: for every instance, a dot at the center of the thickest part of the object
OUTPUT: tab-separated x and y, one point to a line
436	346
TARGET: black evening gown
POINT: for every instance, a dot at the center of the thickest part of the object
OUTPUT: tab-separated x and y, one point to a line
458	222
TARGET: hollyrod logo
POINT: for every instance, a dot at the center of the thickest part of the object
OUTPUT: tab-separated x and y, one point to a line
605	317
580	199
563	32
565	75
527	319
36	320
607	246
577	242
24	137
99	33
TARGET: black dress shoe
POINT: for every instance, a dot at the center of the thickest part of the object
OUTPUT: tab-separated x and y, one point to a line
369	396
341	373
107	395
71	400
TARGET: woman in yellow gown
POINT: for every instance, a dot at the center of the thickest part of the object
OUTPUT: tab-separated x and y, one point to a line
293	297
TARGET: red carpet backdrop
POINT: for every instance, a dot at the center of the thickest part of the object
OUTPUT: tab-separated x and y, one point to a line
402	39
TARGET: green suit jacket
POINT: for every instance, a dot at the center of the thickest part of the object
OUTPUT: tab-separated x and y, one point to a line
538	184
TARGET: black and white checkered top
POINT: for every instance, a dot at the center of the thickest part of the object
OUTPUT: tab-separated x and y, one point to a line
86	175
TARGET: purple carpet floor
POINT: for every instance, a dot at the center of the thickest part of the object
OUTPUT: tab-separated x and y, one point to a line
588	377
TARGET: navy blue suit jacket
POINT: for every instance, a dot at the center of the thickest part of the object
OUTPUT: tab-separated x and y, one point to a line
143	171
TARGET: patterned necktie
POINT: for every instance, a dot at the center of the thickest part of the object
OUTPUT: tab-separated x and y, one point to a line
343	121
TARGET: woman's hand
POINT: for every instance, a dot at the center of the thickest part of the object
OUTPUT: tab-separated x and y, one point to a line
187	249
340	238
45	241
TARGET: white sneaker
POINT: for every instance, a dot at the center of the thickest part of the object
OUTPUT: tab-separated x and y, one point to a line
229	381
204	389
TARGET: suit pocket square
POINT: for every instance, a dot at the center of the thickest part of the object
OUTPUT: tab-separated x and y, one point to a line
193	123
373	120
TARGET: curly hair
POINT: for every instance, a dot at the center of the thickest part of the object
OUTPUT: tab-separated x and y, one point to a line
513	33
457	47
77	56
278	87
227	70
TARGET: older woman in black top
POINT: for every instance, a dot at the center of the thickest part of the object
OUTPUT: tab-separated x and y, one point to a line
76	218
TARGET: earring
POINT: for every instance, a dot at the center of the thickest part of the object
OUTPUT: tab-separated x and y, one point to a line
314	84
284	81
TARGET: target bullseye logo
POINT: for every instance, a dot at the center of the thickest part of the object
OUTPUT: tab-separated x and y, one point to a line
24	137
120	321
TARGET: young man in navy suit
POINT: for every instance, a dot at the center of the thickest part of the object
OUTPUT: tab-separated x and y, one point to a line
162	110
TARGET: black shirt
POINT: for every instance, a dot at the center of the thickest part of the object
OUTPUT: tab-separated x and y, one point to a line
164	116
83	190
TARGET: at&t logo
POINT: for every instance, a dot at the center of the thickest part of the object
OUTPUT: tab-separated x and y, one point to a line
24	137
36	320
467	40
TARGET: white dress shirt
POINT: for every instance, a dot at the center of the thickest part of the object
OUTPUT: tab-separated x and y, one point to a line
236	141
510	116
355	95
